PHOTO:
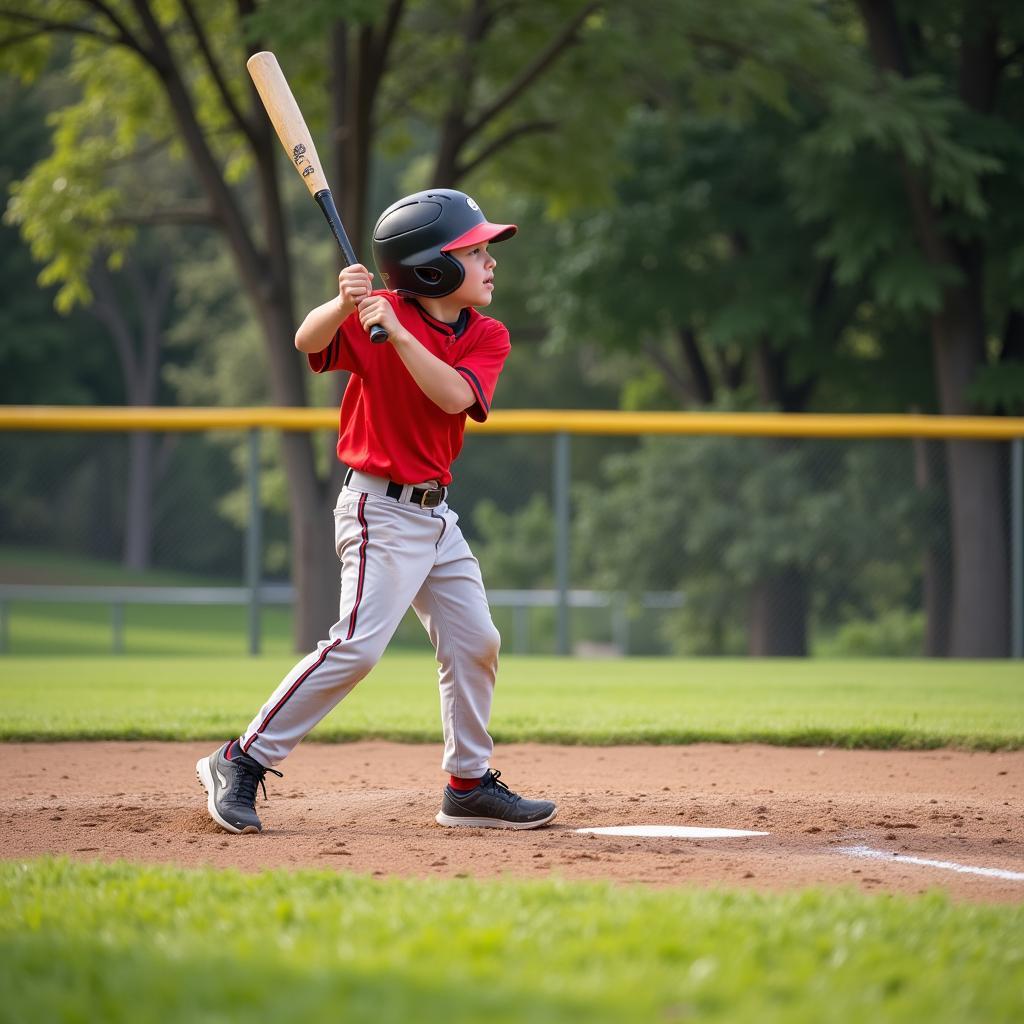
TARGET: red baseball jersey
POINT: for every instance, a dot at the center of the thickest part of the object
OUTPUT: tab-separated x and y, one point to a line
389	427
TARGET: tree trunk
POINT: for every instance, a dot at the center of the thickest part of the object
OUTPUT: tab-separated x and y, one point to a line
265	277
981	565
138	341
778	615
778	605
981	614
977	525
310	524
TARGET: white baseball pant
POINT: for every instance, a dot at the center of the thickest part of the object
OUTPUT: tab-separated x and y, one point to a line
394	553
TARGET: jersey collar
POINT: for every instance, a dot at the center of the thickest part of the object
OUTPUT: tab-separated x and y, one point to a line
455	330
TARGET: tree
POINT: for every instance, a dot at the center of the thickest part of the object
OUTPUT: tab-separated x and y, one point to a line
883	210
156	76
702	266
939	128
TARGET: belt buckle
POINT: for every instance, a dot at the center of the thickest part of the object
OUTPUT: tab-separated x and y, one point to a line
432	498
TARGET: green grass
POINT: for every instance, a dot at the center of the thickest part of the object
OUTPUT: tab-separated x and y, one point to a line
147	629
872	703
46	565
83	942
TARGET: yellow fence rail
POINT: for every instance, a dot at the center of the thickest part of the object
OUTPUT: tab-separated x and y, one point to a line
526	421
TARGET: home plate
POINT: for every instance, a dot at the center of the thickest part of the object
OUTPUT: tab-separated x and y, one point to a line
672	831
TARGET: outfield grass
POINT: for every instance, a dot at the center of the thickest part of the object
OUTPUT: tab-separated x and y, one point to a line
132	943
910	704
85	629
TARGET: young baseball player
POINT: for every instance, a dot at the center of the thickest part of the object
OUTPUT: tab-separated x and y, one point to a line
403	415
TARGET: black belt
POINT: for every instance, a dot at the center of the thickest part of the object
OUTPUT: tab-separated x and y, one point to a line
425	497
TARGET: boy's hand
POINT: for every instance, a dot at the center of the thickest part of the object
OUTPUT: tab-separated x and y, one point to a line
377	310
354	284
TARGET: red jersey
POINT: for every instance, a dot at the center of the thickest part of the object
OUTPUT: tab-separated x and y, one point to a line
389	427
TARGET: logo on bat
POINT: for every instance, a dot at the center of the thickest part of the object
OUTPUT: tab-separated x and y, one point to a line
308	171
299	154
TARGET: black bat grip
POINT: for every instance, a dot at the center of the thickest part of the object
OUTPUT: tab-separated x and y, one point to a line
325	201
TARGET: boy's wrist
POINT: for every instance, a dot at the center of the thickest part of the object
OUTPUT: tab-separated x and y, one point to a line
401	337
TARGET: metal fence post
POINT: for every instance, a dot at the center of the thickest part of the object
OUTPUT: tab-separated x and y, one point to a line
563	475
1017	546
254	542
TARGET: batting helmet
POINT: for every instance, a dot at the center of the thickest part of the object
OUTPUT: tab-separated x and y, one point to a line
413	237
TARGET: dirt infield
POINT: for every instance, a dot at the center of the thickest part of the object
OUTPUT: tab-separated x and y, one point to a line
369	808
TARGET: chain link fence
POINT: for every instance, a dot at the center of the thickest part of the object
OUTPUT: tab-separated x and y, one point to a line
591	544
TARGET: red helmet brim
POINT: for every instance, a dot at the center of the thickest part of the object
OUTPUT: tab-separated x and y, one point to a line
485	232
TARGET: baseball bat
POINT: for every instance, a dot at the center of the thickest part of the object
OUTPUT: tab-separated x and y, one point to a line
291	129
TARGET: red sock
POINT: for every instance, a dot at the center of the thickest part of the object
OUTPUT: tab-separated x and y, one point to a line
463	785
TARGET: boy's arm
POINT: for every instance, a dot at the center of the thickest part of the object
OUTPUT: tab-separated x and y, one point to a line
441	383
321	324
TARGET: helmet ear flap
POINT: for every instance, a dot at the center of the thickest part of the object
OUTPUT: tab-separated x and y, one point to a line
430	276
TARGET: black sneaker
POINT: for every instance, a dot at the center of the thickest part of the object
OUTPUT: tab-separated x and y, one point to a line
493	805
231	788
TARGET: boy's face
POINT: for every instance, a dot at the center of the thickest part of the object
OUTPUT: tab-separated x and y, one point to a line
478	284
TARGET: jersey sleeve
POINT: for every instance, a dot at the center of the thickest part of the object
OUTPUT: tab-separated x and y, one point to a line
481	368
344	351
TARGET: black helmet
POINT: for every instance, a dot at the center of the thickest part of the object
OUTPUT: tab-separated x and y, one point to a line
412	237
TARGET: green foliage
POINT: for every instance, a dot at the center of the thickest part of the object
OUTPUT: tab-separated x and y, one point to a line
515	549
140	944
916	118
115	129
851	174
896	633
27	54
116	159
434	65
846	177
999	388
712	517
705	239
789	702
68	204
729	217
43	357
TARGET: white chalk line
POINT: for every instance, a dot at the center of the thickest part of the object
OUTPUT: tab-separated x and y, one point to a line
671	831
943	865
